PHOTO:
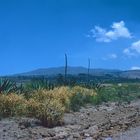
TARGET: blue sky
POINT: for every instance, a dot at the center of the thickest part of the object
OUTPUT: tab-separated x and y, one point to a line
37	33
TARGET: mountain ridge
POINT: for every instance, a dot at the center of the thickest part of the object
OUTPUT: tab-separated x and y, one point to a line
52	71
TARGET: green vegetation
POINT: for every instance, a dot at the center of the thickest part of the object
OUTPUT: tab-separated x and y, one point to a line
12	105
7	86
38	84
48	102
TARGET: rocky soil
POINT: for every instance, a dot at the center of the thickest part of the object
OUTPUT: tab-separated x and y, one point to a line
90	123
132	134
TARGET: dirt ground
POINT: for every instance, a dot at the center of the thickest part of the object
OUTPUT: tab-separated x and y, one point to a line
120	122
132	134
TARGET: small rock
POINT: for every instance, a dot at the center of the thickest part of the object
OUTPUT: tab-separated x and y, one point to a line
62	135
76	135
92	130
109	138
22	127
89	138
4	130
87	135
88	113
52	134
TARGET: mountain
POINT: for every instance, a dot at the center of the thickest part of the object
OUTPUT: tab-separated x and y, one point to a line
131	74
71	70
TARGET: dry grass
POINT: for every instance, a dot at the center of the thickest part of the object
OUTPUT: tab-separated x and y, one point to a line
47	106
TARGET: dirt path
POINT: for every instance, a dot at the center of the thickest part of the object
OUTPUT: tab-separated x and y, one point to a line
90	123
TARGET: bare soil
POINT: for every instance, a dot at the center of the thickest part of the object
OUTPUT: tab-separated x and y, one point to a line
120	122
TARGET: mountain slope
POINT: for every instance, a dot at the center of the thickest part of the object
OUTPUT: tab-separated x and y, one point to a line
71	70
132	74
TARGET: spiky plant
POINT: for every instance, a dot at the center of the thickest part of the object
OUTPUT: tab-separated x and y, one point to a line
7	86
39	84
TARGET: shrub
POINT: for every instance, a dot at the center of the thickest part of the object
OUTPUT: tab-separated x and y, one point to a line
81	96
11	105
32	107
76	101
61	94
84	91
50	112
105	94
39	95
47	106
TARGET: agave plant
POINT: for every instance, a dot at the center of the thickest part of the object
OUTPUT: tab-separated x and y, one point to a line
7	86
39	84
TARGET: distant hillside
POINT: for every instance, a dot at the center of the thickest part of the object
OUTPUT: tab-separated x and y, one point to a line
131	74
71	70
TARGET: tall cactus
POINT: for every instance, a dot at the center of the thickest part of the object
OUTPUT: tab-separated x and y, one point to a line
66	68
88	71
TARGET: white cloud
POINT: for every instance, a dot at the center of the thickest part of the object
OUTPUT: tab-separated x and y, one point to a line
99	34
135	68
133	50
119	30
128	52
136	46
112	56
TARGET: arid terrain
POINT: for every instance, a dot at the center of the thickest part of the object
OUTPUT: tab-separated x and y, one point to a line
120	122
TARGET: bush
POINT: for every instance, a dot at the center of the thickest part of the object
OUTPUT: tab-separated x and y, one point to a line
61	94
47	106
84	91
32	107
50	112
12	105
80	96
78	100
